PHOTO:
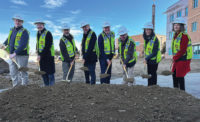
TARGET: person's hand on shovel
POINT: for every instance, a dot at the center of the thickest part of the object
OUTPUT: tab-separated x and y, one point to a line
109	61
72	63
124	65
145	62
12	55
83	61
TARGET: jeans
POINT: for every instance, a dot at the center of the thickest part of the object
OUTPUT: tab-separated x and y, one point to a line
66	67
49	79
91	73
103	65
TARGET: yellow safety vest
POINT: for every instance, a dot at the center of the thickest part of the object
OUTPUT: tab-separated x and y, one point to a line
149	49
109	43
71	48
126	49
41	43
17	39
176	43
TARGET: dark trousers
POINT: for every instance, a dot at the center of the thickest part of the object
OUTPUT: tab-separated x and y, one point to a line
49	79
152	70
103	65
91	73
178	82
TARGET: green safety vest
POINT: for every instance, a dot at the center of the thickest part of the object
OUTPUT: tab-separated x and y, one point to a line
87	41
17	40
126	49
41	43
149	49
71	48
176	43
109	43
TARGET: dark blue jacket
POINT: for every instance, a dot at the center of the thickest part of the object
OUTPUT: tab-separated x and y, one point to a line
103	56
22	43
89	56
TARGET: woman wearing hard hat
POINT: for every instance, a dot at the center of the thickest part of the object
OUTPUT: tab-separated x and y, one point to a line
151	52
182	53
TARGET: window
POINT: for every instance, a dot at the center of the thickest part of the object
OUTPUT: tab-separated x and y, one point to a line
194	26
196	49
170	35
137	43
186	11
195	3
171	18
179	13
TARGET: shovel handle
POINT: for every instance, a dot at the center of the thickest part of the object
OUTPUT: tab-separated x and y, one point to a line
69	70
108	68
124	68
15	63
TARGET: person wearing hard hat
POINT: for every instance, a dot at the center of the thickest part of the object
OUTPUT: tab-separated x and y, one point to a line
128	54
106	43
46	53
67	52
182	53
151	52
89	52
17	45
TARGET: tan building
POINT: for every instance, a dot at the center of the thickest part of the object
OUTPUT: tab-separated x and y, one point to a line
194	26
139	41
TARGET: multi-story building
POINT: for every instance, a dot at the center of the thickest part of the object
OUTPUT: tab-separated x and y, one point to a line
194	26
179	9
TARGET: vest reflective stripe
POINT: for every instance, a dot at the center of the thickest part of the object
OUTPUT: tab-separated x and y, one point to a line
176	43
71	48
109	43
149	50
126	49
87	41
41	43
17	40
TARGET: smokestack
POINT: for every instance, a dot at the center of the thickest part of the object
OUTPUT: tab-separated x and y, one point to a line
153	14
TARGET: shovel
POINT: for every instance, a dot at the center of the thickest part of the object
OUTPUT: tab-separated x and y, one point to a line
167	72
145	75
127	78
84	68
68	73
4	55
39	72
105	74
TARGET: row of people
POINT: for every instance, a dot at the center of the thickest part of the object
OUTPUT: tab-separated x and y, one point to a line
17	44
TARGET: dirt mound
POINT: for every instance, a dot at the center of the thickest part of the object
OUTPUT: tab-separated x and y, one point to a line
99	103
4	68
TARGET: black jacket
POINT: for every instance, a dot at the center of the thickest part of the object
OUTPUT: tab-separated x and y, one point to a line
89	56
47	63
129	53
63	49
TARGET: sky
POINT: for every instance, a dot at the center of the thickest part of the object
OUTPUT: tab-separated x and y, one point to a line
132	14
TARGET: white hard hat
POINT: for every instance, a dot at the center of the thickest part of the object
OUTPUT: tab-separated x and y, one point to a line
39	21
122	31
148	25
106	24
17	17
84	24
65	27
179	21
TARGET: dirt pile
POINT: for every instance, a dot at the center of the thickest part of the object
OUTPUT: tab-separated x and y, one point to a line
4	68
99	103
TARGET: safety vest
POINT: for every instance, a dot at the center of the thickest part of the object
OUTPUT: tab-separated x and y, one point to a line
71	48
41	43
176	43
149	49
109	43
87	41
17	40
126	49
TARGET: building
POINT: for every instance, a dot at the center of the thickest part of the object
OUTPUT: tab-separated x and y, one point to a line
179	9
194	26
139	41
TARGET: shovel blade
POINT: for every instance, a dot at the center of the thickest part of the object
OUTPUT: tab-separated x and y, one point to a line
84	69
40	72
23	69
146	76
129	80
104	75
166	73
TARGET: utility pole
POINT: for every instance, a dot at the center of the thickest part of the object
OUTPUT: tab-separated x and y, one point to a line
153	14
